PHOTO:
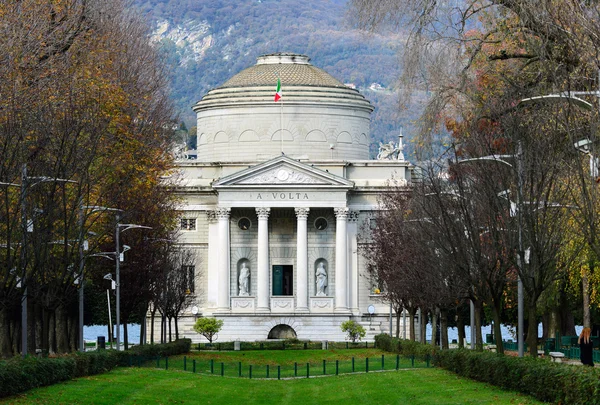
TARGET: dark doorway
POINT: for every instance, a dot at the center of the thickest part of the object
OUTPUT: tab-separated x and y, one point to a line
282	332
283	280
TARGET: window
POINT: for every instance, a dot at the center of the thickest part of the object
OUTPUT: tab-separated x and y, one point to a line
244	224
188	224
189	273
321	224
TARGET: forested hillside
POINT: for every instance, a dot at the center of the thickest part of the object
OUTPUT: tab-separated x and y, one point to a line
207	41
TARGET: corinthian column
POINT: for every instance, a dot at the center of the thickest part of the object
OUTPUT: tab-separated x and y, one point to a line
223	260
302	261
262	265
341	260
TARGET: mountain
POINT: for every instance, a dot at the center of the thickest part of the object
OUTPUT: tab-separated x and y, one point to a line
205	42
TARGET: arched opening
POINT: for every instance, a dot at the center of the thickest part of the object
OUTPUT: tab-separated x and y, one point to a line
282	332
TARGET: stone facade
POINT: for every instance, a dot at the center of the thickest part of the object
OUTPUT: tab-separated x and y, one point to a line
283	191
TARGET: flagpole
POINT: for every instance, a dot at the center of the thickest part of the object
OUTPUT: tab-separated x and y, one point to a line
281	125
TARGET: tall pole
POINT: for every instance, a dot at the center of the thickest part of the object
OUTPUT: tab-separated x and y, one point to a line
81	265
23	260
118	281
520	261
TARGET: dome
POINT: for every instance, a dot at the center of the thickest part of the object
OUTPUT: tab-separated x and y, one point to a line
292	69
318	117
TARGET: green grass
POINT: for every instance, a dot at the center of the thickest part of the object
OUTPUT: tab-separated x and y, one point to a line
154	386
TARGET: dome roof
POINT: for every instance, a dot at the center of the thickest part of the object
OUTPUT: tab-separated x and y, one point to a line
301	84
292	69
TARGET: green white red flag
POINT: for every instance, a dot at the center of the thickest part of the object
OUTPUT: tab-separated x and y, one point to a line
278	91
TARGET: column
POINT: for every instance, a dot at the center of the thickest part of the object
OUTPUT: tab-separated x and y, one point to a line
353	261
341	260
262	265
302	261
223	260
213	260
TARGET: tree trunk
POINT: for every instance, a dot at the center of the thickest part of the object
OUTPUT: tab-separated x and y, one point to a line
31	326
52	332
423	327
585	292
170	333
460	325
176	328
152	325
62	336
398	317
143	331
5	347
497	330
411	321
45	331
39	336
532	330
434	327
125	336
444	328
478	338
73	325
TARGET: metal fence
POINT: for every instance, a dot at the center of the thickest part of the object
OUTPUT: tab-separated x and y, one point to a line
296	370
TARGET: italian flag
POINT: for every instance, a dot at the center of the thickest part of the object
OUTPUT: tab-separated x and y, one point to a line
278	91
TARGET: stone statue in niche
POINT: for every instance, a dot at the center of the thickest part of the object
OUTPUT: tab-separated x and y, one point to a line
321	280
244	280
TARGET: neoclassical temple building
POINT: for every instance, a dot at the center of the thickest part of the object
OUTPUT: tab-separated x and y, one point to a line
274	200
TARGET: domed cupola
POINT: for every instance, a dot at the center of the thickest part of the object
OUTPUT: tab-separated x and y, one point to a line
317	118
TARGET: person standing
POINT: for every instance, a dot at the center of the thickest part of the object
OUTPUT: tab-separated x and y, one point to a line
586	347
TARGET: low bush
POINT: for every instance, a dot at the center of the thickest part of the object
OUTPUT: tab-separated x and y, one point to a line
180	346
550	382
19	375
404	347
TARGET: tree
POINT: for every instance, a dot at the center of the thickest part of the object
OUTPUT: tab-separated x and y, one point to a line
97	113
208	327
354	330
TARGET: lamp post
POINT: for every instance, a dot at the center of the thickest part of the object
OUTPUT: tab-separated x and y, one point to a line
25	185
118	256
82	247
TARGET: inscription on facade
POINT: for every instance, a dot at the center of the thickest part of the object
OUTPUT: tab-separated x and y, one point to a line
280	196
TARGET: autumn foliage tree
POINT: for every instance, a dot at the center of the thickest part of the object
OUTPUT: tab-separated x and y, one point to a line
83	99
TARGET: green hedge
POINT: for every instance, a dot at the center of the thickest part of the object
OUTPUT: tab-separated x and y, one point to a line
539	378
404	347
180	346
19	375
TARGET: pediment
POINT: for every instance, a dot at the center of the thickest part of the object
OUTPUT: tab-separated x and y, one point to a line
282	171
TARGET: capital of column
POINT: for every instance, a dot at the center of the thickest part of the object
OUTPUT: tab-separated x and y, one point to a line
302	213
222	213
263	213
211	216
353	216
341	213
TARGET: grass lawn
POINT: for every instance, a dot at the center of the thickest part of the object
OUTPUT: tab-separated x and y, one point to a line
158	386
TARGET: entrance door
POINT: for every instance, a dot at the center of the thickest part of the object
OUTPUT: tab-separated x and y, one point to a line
283	277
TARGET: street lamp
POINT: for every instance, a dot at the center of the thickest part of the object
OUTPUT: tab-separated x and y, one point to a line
118	229
82	247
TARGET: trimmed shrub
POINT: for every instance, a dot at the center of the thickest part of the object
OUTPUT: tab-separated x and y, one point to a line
179	346
18	375
539	378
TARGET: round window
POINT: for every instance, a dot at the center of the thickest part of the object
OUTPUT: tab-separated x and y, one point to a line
244	224
321	224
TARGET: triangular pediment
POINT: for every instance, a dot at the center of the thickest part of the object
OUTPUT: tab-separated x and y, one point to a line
282	171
